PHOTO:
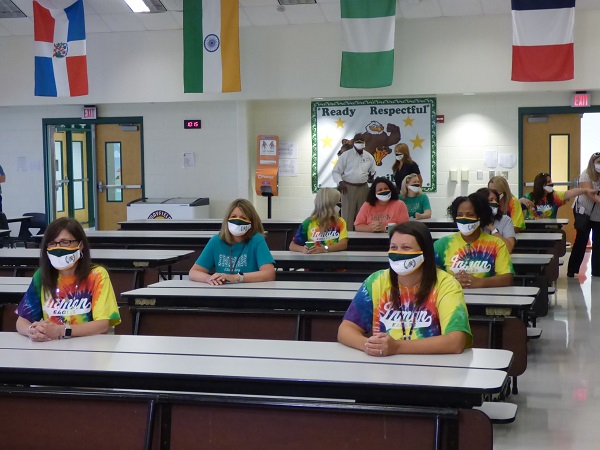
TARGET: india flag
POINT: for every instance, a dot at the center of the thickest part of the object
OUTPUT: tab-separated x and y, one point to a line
211	46
367	43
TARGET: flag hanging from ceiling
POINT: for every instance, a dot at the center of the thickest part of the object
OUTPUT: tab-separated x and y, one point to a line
367	43
60	51
543	40
211	46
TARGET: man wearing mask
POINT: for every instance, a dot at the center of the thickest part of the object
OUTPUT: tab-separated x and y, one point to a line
353	170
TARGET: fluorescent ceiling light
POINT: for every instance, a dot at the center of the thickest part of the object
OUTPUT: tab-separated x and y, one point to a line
147	6
8	10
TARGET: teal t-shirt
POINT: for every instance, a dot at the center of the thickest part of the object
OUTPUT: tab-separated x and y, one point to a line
245	257
418	204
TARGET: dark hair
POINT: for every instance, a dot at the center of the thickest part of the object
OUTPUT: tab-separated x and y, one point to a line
480	205
538	193
421	233
371	196
83	266
401	148
484	193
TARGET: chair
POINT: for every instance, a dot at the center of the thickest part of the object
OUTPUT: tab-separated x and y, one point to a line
8	241
38	220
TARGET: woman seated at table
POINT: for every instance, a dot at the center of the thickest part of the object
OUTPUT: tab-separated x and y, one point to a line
381	208
543	202
476	259
397	308
68	296
324	231
239	253
509	204
502	227
412	195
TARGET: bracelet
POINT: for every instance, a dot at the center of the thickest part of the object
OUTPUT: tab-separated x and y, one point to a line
241	279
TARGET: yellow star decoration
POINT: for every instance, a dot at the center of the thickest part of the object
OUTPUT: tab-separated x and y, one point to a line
334	162
417	142
408	121
340	123
326	141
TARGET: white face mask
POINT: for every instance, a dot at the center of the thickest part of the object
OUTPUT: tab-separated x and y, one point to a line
63	258
405	263
415	189
466	225
359	145
597	167
384	196
549	189
494	210
399	157
238	227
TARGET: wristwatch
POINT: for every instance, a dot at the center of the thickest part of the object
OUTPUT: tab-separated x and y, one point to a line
68	332
495	230
241	280
326	247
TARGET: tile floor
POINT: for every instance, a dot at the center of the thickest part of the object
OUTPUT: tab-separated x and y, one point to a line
559	393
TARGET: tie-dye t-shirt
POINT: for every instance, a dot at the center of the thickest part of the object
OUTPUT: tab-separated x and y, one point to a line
444	311
516	213
544	210
75	303
486	257
309	230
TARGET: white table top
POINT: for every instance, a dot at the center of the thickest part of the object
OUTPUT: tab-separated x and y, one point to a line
143	221
125	234
521	237
104	254
542	221
20	281
530	291
256	348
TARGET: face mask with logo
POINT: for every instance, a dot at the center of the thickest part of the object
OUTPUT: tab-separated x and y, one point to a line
359	146
405	263
416	188
399	157
467	225
494	207
597	167
63	258
384	196
237	226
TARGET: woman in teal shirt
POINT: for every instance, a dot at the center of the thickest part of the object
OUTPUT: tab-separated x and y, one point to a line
411	194
239	253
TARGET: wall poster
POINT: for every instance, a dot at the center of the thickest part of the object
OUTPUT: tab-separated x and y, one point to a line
385	123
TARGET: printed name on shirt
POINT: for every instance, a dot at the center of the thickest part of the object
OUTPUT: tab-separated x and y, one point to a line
317	236
68	306
224	261
391	318
469	266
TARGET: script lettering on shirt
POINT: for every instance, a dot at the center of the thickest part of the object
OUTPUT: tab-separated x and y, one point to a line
329	235
68	306
381	217
469	266
391	318
543	210
224	261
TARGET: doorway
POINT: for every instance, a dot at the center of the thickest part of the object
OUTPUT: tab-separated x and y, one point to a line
93	169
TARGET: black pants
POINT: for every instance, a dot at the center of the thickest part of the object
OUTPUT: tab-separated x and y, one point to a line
578	250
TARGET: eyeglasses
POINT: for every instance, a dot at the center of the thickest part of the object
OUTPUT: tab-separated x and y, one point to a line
62	243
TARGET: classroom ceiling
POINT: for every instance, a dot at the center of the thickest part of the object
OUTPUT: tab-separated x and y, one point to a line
105	16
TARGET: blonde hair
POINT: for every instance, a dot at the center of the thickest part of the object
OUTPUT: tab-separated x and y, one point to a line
501	185
401	148
325	212
591	170
404	187
250	212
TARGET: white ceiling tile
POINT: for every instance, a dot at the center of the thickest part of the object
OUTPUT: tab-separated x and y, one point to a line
421	10
4	31
331	11
299	14
109	6
178	16
22	26
245	3
173	5
25	5
158	21
244	21
265	16
491	7
122	22
454	8
95	24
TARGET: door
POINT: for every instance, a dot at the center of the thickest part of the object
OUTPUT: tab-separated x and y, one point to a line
552	144
119	172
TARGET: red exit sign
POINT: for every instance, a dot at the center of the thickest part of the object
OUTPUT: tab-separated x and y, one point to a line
582	100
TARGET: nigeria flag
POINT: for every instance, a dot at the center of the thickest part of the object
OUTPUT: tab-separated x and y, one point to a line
367	43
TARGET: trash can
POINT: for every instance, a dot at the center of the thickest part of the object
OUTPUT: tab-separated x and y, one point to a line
169	208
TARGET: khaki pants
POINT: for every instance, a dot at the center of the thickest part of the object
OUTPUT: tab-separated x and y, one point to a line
352	200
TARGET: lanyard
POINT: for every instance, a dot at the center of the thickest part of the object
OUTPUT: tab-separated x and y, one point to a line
414	311
231	269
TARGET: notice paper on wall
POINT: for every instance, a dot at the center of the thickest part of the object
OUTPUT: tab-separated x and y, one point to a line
507	160
288	167
189	160
490	158
287	150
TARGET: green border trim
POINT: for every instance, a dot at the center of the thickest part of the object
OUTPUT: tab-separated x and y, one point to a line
431	101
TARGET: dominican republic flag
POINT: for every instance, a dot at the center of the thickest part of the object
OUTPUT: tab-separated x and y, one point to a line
211	46
368	29
543	40
60	56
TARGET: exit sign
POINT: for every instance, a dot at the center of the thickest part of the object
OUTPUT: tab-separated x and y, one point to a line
89	112
582	100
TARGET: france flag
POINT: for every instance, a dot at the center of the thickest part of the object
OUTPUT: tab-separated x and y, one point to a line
60	51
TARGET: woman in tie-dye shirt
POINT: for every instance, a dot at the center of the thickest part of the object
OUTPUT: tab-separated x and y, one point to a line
68	296
476	259
397	308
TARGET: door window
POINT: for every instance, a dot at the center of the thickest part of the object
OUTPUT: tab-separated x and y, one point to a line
559	159
113	172
78	174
